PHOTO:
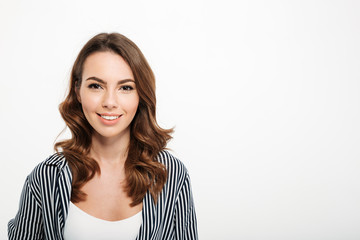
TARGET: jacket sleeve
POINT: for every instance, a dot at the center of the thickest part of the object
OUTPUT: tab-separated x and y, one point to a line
185	216
27	223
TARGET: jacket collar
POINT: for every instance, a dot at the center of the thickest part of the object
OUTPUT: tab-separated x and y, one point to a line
58	160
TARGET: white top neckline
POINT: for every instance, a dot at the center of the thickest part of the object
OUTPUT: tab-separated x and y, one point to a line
103	220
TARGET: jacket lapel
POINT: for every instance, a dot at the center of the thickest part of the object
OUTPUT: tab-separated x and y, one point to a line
148	228
62	193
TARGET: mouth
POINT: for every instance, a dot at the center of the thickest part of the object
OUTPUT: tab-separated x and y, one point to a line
109	117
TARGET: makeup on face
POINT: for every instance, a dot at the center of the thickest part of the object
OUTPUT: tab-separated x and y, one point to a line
108	94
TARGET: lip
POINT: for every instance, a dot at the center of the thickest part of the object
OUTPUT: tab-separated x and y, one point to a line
108	114
109	121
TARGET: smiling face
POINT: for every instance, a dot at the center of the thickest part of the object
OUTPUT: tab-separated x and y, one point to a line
108	94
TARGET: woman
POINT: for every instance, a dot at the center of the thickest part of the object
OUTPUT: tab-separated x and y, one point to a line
112	179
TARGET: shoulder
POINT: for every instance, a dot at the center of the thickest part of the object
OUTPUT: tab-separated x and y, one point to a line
55	161
176	169
48	169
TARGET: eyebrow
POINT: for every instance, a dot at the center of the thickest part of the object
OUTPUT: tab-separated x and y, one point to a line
103	82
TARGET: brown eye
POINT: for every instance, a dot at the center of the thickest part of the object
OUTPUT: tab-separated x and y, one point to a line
127	88
94	86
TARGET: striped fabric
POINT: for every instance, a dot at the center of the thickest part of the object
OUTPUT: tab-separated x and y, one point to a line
46	195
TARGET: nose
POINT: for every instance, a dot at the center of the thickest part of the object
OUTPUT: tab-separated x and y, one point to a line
110	100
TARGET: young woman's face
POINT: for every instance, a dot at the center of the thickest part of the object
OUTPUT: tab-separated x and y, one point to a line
108	94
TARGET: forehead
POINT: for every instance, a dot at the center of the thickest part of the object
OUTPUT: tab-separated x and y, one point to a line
106	65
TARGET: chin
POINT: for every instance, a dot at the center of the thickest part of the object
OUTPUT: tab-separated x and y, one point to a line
112	134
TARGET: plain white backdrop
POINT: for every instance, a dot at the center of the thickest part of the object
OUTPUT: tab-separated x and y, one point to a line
264	97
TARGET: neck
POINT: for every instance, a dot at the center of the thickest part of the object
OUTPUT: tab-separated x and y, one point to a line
112	150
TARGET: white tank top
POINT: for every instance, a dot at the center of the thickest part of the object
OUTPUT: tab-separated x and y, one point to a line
79	225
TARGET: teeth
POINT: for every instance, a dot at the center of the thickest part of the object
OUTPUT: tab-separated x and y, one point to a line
110	117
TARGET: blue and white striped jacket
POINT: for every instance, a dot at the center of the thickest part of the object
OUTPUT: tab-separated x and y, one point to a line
46	195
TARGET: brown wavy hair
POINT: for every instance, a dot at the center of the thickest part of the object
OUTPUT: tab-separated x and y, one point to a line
143	172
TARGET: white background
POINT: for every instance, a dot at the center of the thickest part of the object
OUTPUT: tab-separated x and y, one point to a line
264	96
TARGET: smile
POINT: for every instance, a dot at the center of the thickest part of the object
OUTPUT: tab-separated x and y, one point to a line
109	117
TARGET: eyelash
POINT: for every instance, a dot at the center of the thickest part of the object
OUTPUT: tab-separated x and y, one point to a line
126	88
97	86
94	86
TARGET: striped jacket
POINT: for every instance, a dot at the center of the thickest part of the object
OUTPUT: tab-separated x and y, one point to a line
46	195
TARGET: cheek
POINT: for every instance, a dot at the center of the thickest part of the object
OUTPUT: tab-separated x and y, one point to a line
89	102
130	104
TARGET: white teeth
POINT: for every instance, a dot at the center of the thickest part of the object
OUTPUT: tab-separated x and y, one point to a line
110	117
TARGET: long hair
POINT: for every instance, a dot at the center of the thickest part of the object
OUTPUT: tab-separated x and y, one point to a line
147	138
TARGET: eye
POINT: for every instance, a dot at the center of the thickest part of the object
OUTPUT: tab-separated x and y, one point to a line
94	86
126	88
